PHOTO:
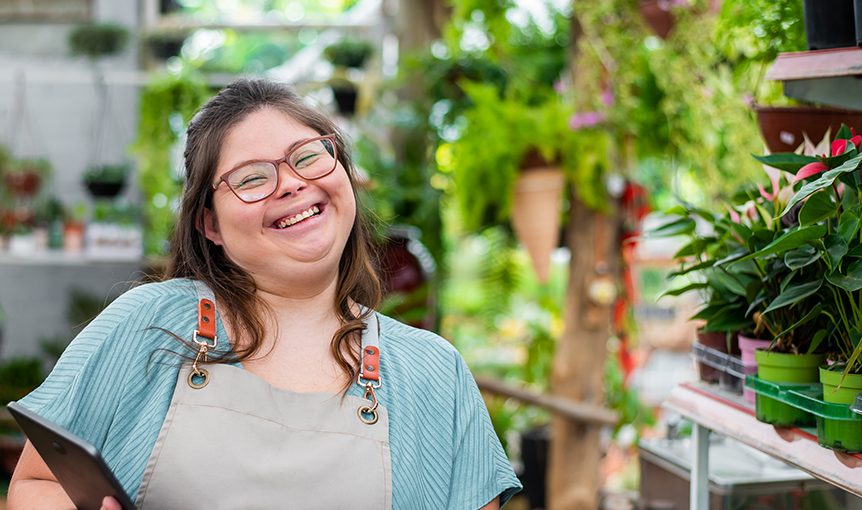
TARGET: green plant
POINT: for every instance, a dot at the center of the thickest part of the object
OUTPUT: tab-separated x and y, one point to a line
108	174
95	40
499	134
348	52
166	106
828	208
19	376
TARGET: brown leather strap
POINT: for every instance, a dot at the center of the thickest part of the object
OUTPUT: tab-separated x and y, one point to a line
371	363
206	319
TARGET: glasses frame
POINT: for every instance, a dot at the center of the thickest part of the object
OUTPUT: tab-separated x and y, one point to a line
277	164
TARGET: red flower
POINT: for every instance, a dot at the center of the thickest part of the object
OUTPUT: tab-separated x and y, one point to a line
809	170
856	139
839	146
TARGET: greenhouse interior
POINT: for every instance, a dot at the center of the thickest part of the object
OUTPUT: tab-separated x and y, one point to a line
653	307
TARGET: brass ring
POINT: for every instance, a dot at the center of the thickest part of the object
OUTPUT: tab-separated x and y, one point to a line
201	372
362	411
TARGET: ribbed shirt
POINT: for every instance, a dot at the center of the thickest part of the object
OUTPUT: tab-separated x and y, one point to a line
114	383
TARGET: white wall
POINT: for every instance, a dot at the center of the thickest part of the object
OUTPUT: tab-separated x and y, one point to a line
59	111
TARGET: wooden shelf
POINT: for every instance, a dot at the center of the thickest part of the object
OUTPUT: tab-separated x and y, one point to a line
734	418
831	77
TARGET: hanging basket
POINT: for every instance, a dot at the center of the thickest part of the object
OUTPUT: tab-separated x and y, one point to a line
536	214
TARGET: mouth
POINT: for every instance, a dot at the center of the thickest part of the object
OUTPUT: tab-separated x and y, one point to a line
289	221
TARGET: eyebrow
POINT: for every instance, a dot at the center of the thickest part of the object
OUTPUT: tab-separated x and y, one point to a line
288	149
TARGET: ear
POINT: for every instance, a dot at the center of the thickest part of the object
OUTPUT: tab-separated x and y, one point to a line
211	230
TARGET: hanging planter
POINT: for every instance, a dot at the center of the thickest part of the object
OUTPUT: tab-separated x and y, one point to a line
536	211
778	367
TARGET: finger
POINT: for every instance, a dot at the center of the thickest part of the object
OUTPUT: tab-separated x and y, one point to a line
109	503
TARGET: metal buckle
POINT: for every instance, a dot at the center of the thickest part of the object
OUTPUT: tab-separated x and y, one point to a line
372	409
208	346
364	382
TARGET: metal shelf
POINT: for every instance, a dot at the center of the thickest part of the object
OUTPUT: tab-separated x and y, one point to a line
832	77
710	409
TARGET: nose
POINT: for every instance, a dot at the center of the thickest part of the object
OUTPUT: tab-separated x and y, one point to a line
289	182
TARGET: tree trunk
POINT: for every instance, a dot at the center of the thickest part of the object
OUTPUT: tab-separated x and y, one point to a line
573	474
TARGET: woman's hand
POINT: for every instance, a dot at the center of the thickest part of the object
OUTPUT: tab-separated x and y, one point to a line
109	503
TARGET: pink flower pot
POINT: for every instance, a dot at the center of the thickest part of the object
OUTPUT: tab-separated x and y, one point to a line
748	346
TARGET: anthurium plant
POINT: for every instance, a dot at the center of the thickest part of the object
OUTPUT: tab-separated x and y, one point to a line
823	249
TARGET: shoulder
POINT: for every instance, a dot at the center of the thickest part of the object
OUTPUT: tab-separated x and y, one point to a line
418	355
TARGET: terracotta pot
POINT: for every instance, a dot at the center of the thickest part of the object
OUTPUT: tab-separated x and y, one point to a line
782	126
23	184
536	214
656	14
715	340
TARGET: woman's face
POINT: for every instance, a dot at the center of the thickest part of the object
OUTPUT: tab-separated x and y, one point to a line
272	239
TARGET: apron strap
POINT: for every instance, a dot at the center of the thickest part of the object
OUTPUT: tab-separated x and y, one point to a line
206	327
370	353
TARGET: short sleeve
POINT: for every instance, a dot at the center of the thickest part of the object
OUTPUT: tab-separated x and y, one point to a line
83	391
481	471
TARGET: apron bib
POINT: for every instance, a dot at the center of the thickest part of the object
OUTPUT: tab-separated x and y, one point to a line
231	440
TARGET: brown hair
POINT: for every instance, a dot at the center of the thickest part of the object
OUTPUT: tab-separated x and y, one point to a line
194	256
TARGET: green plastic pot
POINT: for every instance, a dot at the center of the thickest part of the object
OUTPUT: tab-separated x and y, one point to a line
781	367
840	434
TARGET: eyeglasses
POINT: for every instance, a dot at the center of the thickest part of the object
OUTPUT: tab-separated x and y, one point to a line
253	181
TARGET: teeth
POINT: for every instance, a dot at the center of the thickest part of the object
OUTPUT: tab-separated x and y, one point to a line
286	222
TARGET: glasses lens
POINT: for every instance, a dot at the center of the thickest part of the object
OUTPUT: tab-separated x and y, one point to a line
254	181
313	159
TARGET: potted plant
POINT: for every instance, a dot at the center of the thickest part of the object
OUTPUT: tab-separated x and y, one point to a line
831	200
95	40
165	43
24	177
106	181
351	53
510	162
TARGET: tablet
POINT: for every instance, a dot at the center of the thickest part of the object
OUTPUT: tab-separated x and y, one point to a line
77	464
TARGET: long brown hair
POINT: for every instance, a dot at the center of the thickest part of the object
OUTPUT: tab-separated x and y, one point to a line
194	256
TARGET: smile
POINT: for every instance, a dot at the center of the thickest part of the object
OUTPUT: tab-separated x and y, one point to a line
293	220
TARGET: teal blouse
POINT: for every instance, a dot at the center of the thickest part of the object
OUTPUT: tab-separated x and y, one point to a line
114	383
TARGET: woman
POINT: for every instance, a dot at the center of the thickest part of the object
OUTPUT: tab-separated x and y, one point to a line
258	375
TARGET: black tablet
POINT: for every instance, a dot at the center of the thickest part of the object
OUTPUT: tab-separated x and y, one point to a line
76	463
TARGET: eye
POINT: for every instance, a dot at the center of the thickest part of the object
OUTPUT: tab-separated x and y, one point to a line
305	157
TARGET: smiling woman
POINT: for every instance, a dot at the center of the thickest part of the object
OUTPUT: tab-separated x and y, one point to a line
260	355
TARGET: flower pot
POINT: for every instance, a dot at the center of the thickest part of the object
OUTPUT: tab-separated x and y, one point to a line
22	184
840	434
829	24
857	11
782	126
536	214
657	15
534	454
345	99
780	367
749	365
716	340
105	189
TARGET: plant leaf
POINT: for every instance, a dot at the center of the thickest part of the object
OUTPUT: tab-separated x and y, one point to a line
801	257
674	228
816	341
682	290
794	294
792	239
819	206
851	281
848	225
836	248
827	179
786	161
812	314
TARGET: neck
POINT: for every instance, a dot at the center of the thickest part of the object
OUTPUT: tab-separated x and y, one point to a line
313	305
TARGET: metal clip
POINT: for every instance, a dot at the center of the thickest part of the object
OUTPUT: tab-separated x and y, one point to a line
372	409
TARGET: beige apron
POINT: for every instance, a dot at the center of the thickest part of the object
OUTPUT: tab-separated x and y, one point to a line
238	442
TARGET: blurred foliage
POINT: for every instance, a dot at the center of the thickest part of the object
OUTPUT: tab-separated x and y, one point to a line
95	40
257	10
167	104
